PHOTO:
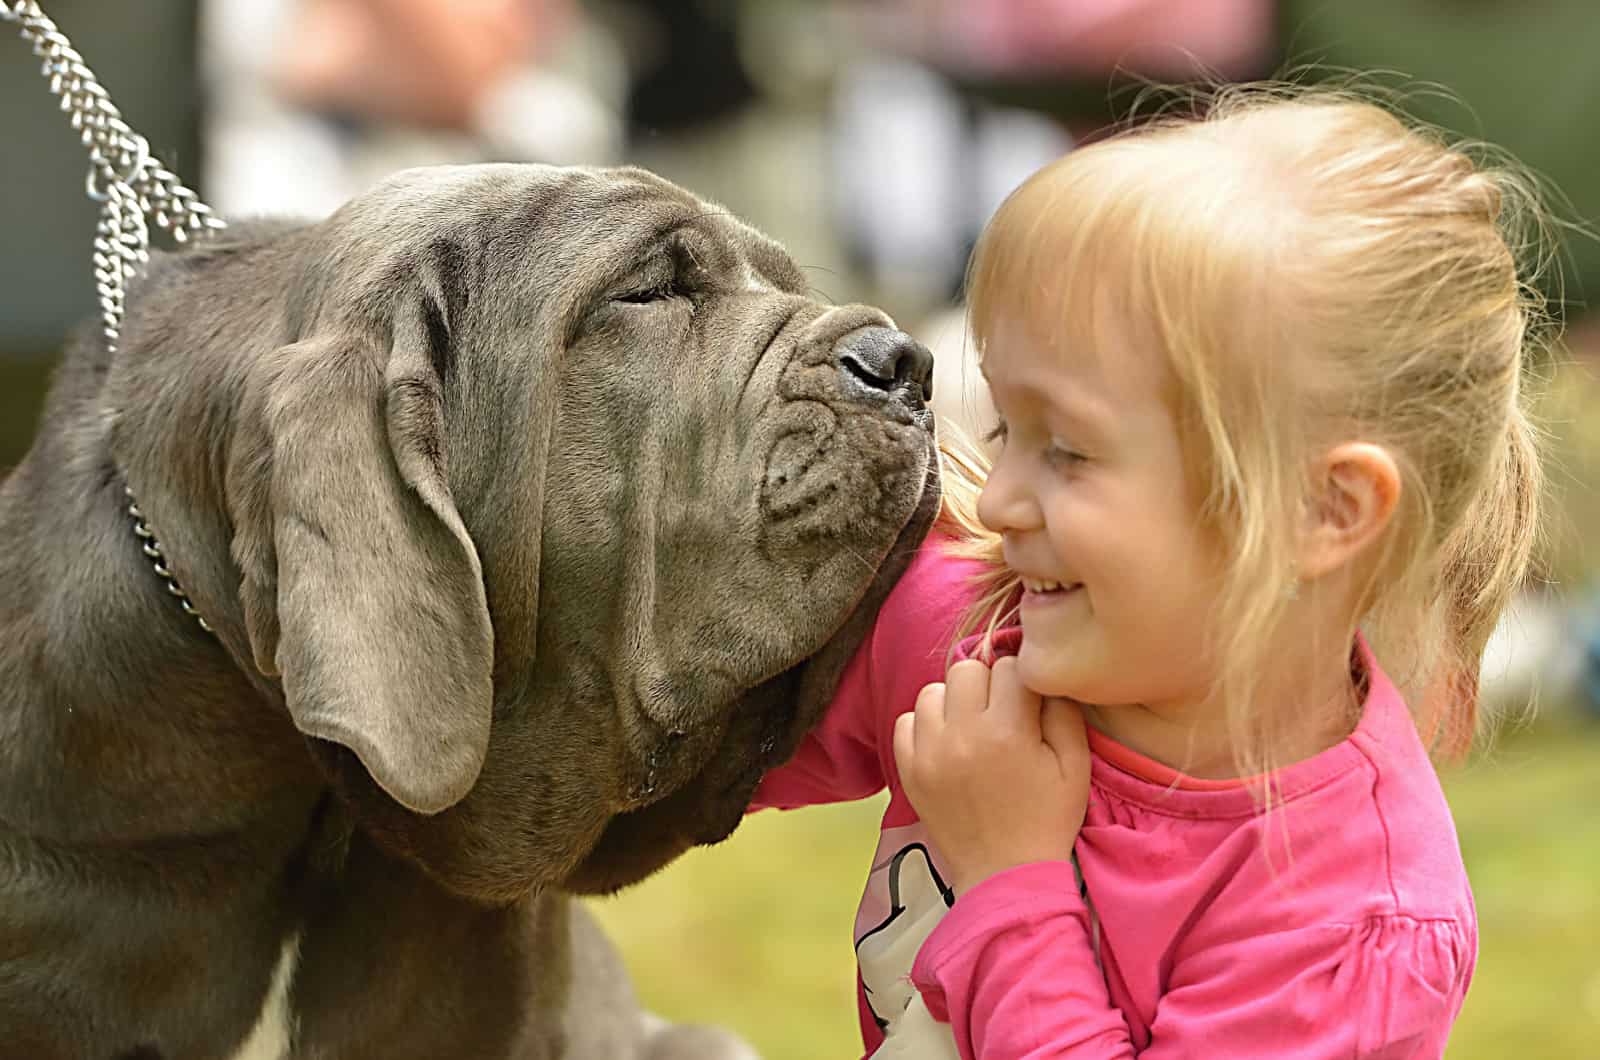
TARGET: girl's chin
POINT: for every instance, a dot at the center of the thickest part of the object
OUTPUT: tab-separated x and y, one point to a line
1045	667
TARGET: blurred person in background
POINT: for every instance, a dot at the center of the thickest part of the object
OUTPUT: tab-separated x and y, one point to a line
313	100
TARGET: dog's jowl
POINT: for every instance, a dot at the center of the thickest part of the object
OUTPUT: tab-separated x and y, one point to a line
532	513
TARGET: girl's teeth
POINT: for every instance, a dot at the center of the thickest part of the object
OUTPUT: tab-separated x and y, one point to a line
1034	586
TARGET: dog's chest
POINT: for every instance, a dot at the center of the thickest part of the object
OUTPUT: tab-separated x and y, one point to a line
273	1032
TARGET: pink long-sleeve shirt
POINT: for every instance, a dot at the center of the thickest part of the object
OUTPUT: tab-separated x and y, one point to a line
1339	925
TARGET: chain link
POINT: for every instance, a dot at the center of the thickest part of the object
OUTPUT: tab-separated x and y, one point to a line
131	184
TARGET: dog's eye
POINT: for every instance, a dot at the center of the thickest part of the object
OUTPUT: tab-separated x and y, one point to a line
657	293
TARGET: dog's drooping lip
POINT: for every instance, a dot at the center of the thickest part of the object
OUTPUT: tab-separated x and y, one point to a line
613	862
797	460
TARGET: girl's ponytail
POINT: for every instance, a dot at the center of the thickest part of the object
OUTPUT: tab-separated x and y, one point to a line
1483	562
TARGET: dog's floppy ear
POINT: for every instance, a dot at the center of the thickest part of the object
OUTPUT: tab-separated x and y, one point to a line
362	588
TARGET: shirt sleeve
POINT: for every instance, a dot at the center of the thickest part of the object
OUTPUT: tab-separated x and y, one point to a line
1012	969
849	755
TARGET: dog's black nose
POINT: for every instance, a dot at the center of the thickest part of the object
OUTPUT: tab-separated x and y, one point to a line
883	362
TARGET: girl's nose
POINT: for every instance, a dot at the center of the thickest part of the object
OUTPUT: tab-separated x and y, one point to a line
1006	504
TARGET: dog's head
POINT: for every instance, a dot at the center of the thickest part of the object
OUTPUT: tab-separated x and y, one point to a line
560	513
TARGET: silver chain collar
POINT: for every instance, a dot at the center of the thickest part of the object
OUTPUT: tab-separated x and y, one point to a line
132	187
152	549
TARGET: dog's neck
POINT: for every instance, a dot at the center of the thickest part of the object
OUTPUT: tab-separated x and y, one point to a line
168	447
94	649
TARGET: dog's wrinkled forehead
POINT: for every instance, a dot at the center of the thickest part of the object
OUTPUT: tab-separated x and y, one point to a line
522	224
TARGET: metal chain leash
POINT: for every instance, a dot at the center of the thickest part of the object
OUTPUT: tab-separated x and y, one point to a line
131	185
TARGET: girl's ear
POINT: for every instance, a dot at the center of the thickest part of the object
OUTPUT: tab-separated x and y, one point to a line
1353	490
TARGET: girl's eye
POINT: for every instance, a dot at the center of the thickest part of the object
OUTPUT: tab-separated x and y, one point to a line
1055	455
1060	457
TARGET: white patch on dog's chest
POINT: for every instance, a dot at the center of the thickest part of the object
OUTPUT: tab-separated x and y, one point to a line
274	1029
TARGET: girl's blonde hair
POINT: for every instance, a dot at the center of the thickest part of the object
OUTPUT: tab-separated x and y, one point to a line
1315	270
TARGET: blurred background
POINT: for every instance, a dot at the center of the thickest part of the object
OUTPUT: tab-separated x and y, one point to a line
874	137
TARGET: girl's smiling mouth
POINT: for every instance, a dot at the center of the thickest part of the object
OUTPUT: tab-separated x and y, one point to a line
1039	590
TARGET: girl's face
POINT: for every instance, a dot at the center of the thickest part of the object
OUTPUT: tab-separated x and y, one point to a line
1099	518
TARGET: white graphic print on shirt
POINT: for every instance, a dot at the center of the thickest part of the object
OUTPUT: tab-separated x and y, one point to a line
904	898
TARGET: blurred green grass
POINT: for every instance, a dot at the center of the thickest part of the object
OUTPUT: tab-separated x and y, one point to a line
754	933
1531	839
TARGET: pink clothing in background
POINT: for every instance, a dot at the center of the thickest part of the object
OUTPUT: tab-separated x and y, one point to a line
1340	925
1158	37
1166	39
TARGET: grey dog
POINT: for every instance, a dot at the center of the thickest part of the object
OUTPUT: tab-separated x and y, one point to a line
534	513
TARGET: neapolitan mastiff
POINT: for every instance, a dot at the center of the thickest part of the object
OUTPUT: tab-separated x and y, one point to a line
533	512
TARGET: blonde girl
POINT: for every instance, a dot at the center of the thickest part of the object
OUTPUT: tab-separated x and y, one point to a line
1264	480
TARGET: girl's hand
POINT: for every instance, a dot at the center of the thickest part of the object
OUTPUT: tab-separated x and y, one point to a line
1000	776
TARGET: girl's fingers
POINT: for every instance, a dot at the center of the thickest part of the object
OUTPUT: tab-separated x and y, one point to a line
966	689
1062	726
905	730
1012	703
931	700
927	716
